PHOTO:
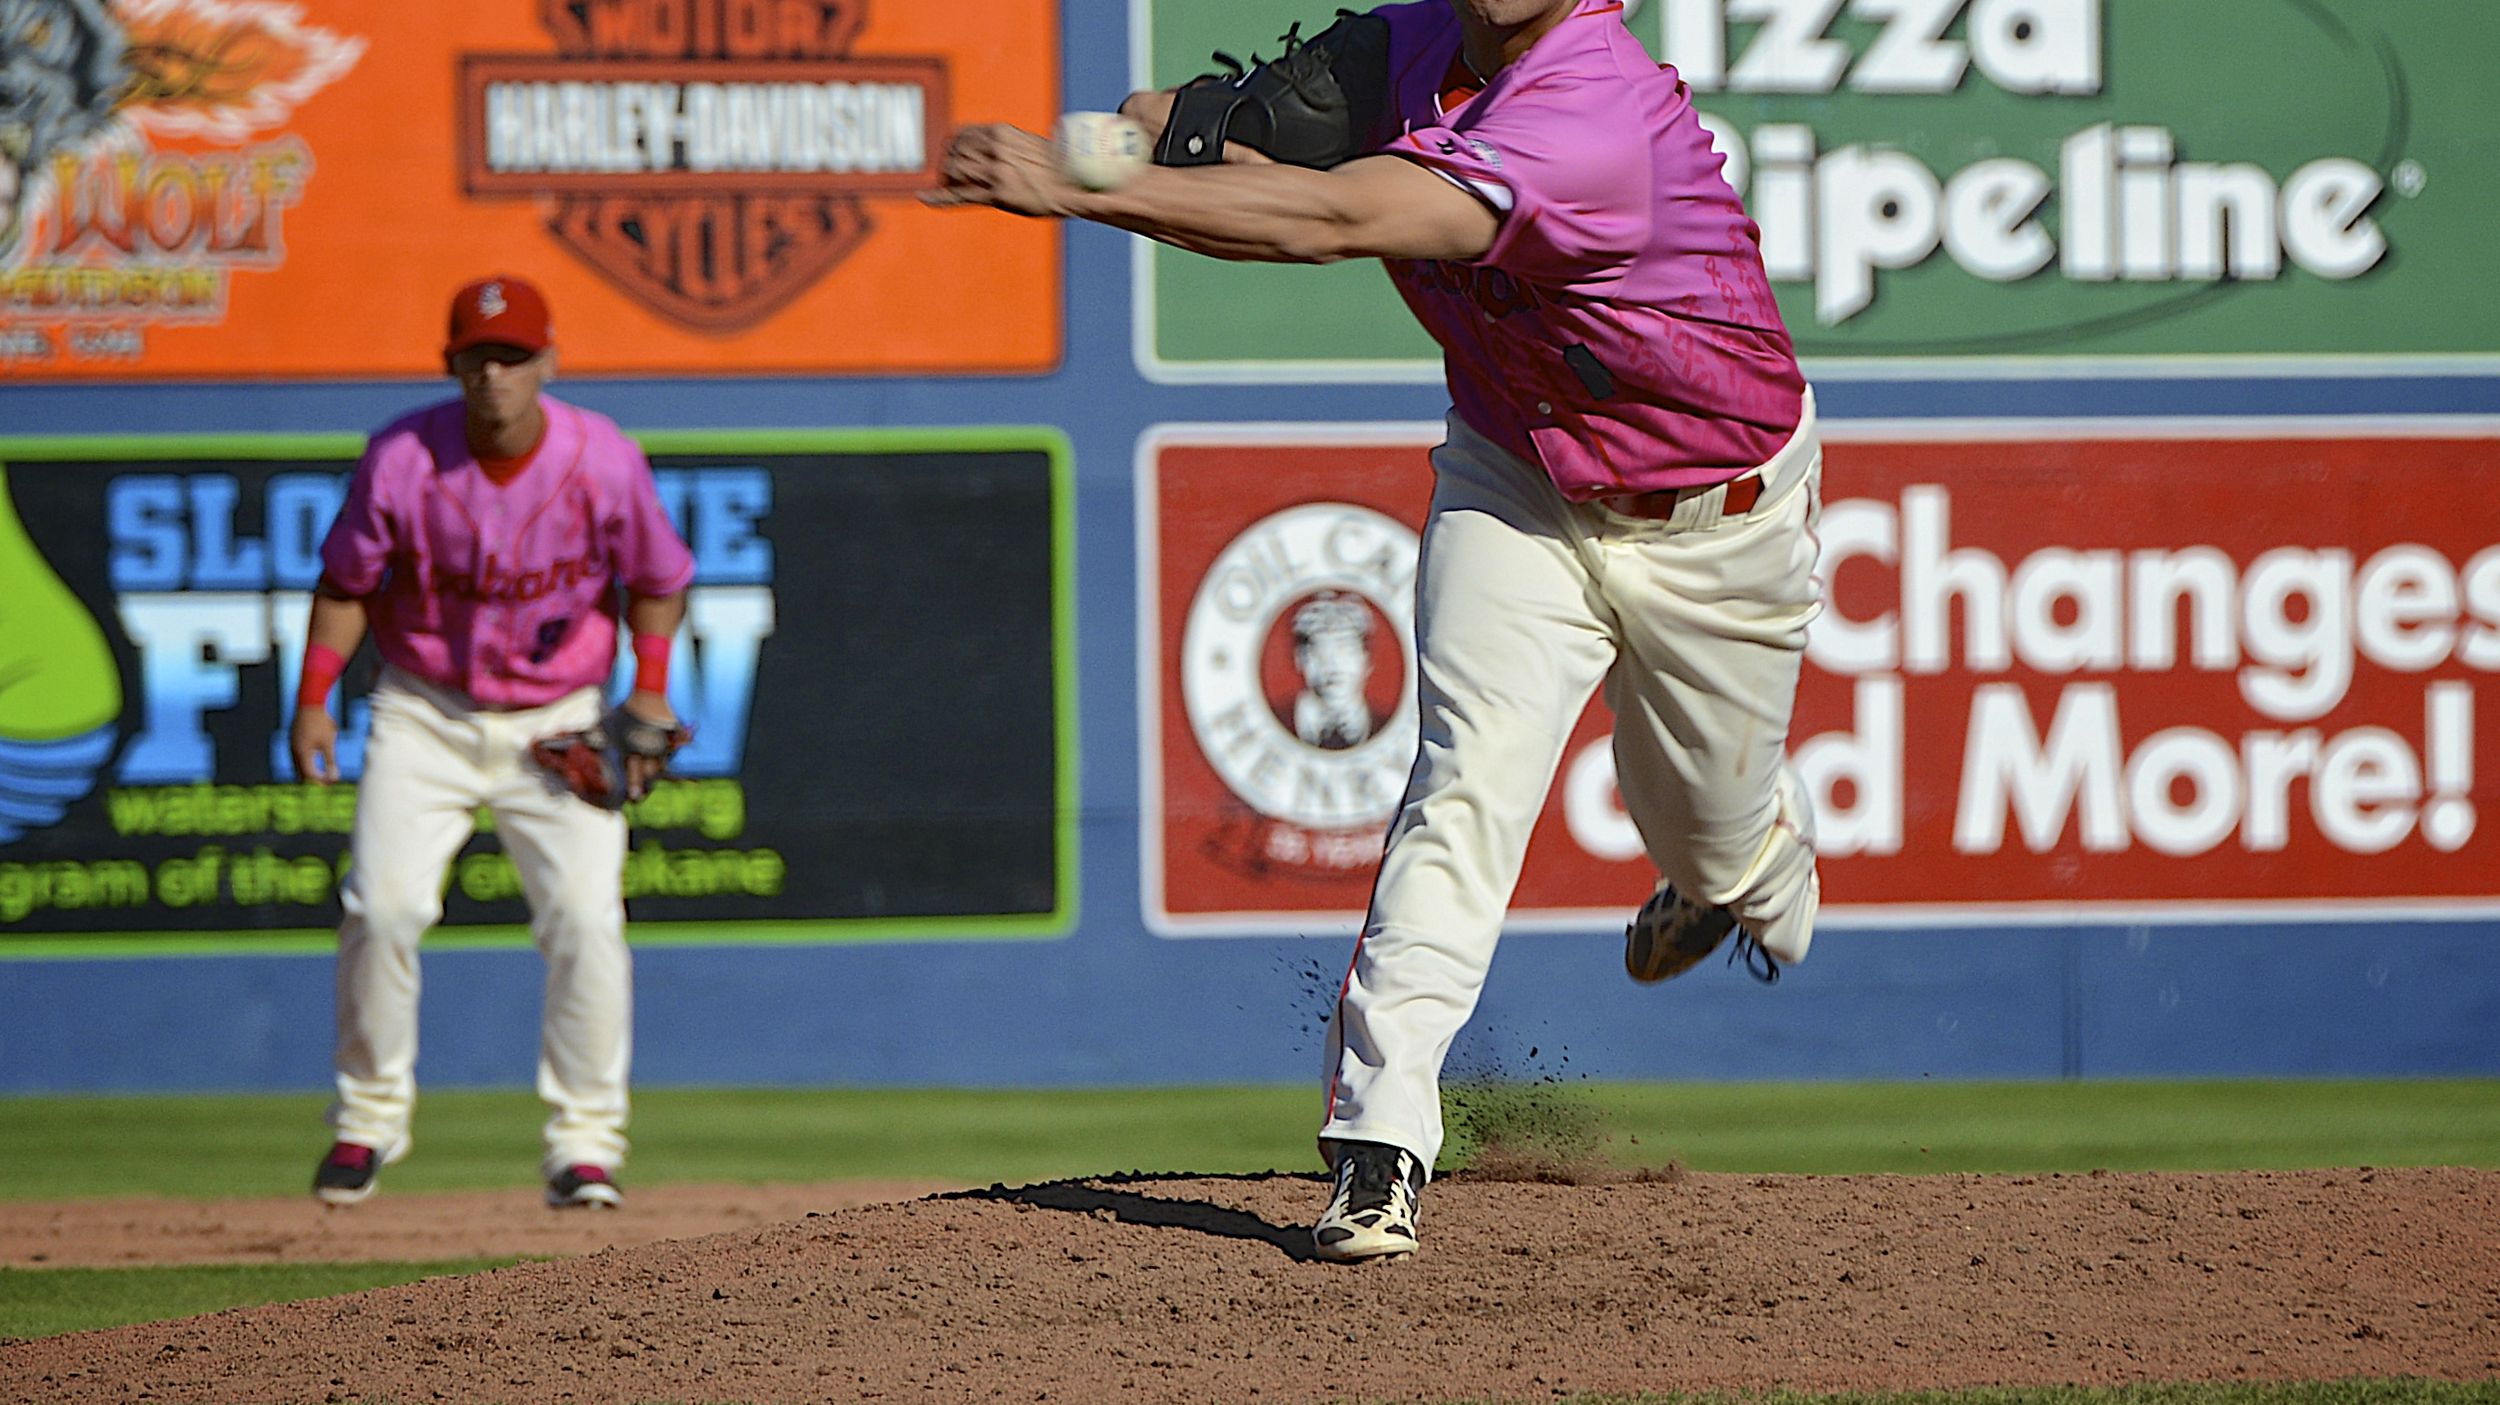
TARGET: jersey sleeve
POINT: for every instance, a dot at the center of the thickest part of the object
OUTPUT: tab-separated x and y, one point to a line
356	554
1566	166
651	559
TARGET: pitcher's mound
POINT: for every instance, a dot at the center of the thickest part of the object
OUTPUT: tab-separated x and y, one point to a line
1200	1289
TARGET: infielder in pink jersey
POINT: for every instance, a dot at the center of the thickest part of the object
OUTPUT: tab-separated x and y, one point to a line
1626	497
483	543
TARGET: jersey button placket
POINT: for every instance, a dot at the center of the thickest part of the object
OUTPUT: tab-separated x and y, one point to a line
494	614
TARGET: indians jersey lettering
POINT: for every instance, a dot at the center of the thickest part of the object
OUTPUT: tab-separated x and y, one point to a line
506	591
1621	330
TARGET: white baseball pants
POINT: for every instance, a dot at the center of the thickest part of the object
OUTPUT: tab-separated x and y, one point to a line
1525	602
432	759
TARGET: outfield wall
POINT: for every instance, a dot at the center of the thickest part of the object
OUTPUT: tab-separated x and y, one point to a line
2152	727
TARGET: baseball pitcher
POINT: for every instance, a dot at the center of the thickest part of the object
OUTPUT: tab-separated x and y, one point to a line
1626	496
483	543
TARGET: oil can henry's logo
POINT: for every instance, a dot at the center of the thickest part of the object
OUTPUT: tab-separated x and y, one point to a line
707	156
1298	676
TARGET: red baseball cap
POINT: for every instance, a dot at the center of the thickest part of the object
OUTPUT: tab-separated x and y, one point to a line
498	311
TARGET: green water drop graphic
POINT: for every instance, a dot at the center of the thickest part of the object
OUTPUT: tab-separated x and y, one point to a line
57	677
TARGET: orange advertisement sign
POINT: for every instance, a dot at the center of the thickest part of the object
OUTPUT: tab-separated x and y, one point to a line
224	188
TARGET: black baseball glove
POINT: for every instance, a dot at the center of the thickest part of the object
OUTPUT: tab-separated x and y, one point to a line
592	762
1325	100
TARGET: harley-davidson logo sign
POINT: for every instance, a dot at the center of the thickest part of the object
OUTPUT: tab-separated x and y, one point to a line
707	156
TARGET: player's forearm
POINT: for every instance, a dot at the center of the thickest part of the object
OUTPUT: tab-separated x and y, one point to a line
1257	213
655	614
338	621
336	627
653	621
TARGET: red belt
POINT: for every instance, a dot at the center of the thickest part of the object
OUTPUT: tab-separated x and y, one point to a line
1742	494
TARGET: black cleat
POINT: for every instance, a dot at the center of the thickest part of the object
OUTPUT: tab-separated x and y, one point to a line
1670	936
583	1186
348	1174
1372	1213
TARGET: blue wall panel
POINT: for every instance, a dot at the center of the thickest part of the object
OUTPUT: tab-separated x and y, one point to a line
2326	999
1112	1004
1115	1006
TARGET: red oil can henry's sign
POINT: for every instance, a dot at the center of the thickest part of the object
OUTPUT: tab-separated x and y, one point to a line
2188	672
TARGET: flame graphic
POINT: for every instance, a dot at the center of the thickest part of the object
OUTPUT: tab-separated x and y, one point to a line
226	68
60	694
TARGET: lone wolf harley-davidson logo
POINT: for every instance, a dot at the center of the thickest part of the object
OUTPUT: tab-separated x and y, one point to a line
709	157
144	158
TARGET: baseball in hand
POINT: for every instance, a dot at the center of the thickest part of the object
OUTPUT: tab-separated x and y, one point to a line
1100	150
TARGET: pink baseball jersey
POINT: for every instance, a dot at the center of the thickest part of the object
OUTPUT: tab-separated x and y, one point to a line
505	592
1621	330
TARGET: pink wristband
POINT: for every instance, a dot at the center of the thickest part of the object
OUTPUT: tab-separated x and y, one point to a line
651	663
322	667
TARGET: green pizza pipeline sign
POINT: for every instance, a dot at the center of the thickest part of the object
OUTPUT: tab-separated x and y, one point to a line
2024	186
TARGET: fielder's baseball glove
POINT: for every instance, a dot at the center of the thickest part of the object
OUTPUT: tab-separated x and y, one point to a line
1325	100
591	762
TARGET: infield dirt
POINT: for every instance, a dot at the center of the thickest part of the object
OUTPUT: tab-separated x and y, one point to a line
1200	1289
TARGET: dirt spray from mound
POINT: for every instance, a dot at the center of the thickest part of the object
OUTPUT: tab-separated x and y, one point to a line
1503	1130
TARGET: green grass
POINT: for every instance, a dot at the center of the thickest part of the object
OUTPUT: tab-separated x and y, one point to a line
2039	1127
265	1144
207	1147
37	1302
